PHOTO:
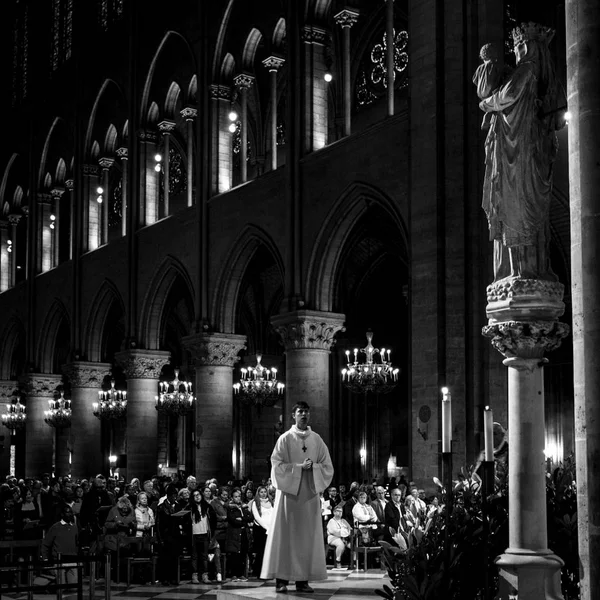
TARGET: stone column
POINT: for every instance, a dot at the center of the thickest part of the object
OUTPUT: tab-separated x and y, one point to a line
123	154
166	127
583	93
273	63
40	387
523	326
7	438
142	369
244	82
14	222
148	213
62	442
189	114
5	256
45	233
56	194
214	356
345	19
86	379
308	337
91	210
222	138
69	184
389	55
106	164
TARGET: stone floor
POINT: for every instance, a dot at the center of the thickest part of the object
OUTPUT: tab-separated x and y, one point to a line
340	585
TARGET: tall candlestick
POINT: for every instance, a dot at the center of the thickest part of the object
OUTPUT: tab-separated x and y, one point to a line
488	429
446	420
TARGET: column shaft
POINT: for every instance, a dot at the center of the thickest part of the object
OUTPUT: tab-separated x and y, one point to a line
347	87
273	132
167	138
244	136
61	452
87	458
104	216
5	268
390	67
14	221
123	153
190	161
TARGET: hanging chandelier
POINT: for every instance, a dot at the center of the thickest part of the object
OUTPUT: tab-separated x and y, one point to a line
175	397
370	376
14	417
58	414
111	405
258	385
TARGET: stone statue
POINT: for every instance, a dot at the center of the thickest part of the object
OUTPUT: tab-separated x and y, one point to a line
521	115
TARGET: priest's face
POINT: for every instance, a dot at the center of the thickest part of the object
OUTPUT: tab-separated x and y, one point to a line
301	417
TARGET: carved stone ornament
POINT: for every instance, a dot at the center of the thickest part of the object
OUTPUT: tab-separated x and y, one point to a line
3	225
145	135
41	385
83	374
272	63
314	35
308	329
14	219
8	388
520	299
188	113
69	184
346	17
166	126
526	339
93	170
106	162
243	81
220	92
219	349
44	198
142	364
57	192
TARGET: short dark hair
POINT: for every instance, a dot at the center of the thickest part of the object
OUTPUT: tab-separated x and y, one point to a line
300	404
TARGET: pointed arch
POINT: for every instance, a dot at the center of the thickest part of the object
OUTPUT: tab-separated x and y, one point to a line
279	34
110	140
61	171
228	286
326	256
153	307
6	174
12	335
45	152
227	68
252	42
217	63
56	316
192	92
107	295
18	197
171	100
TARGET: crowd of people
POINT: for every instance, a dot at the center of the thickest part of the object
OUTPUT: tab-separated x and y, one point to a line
177	516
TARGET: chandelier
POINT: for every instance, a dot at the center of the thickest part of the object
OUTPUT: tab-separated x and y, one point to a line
15	416
258	385
370	376
175	397
111	404
58	414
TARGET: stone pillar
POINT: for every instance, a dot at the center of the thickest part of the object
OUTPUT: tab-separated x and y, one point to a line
106	164
308	337
14	222
40	387
123	154
166	127
91	211
62	443
5	256
7	437
214	356
148	198
56	194
86	442
523	326
69	184
316	99
189	114
45	233
389	55
273	63
583	97
244	82
142	369
222	138
345	19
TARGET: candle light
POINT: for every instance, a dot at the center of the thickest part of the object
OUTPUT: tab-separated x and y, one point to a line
446	420
488	429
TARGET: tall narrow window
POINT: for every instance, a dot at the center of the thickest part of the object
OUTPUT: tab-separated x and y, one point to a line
20	53
62	32
109	12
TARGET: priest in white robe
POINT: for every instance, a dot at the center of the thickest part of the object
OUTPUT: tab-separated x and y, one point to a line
301	469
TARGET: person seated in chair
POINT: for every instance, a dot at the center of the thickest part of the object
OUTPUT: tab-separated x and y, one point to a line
338	535
366	520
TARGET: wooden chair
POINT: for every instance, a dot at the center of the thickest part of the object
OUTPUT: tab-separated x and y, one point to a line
26	550
146	559
122	543
359	547
184	557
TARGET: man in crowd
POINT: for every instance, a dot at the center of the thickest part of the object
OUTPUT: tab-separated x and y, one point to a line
62	539
379	503
301	470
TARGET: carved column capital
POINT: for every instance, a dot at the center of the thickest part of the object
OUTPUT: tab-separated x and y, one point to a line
243	81
142	364
303	329
273	63
106	162
346	17
84	374
8	388
41	385
69	184
14	219
123	153
220	92
219	349
44	198
57	192
166	126
188	113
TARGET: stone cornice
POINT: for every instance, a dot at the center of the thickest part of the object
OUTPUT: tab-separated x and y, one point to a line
41	385
142	364
189	113
243	81
314	35
219	349
93	170
57	192
44	198
145	135
69	184
273	63
8	387
303	329
346	17
220	92
84	374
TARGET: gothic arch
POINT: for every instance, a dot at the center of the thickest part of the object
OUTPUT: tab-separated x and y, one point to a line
228	286
12	334
60	148
7	171
107	295
326	256
49	335
217	62
153	308
252	41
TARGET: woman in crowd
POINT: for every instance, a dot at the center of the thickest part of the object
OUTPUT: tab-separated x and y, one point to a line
204	522
27	518
236	547
366	519
77	502
144	516
262	511
338	534
120	522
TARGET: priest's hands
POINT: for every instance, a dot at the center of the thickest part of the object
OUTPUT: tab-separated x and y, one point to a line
307	464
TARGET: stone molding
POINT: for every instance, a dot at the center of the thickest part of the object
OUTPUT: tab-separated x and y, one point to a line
166	126
142	364
346	17
526	339
220	92
273	63
314	35
123	153
188	113
308	329
69	184
83	374
513	287
14	219
3	225
93	170
41	385
57	192
44	198
145	135
106	162
243	81
215	349
8	387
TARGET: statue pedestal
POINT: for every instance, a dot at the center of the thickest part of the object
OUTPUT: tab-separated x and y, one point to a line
523	326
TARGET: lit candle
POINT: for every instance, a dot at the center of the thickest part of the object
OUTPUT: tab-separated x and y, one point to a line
446	420
488	429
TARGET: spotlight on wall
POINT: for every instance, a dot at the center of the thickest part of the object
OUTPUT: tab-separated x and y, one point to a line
52	219
9	245
567	116
158	159
328	77
233	116
99	191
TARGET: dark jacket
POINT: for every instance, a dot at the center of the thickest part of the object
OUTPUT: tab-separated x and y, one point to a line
222	521
393	518
239	518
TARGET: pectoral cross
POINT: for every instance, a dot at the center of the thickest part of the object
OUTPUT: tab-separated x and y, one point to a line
303	447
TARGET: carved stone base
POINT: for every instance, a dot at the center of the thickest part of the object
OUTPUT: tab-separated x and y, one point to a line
530	575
